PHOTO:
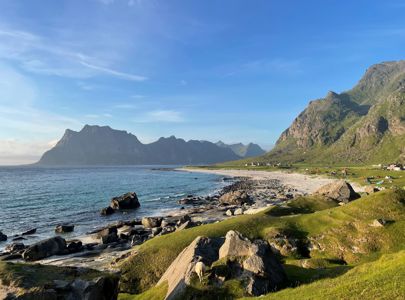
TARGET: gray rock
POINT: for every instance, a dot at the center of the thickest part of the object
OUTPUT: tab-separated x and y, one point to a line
229	213
107	231
29	232
151	222
106	211
46	248
109	238
14	247
340	191
238	211
261	269
64	228
235	198
185	225
126	201
74	246
179	273
3	237
235	245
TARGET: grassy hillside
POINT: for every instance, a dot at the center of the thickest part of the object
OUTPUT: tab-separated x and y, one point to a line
344	234
381	279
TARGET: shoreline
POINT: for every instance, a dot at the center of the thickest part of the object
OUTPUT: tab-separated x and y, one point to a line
265	188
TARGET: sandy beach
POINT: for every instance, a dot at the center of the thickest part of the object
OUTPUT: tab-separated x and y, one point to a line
305	184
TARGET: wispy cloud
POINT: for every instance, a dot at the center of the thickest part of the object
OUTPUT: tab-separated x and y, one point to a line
138	96
37	54
126	106
161	116
115	73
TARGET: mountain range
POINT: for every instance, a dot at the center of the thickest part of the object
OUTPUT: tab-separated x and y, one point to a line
363	125
102	145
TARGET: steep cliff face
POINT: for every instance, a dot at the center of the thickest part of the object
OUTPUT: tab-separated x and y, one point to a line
363	124
101	145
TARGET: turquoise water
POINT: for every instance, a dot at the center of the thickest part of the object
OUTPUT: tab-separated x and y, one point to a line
38	197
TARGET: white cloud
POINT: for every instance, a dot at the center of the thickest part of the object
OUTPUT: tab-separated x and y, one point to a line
161	116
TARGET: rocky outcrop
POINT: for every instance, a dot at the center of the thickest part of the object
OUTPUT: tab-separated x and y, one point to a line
259	267
340	191
45	248
251	263
235	198
53	283
126	201
180	272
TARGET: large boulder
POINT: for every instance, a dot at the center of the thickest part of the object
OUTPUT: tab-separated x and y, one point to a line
235	245
126	201
45	248
178	275
340	191
235	198
260	270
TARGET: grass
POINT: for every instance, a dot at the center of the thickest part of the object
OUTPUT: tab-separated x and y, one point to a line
380	279
303	205
155	293
344	234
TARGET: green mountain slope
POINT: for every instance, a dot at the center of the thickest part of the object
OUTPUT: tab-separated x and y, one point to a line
364	124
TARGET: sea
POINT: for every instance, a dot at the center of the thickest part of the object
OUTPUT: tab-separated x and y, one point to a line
43	197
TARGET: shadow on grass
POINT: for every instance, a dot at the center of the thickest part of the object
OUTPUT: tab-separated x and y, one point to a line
299	275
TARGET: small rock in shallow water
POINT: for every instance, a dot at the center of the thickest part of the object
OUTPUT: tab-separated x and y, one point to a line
3	237
126	201
106	211
29	232
64	228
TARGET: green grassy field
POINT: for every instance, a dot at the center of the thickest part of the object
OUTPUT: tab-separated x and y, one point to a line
344	232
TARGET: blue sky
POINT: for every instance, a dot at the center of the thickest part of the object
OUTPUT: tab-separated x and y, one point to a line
231	70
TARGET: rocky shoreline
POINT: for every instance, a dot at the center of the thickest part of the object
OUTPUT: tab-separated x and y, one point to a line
103	247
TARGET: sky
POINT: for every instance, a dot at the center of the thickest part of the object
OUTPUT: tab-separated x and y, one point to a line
230	70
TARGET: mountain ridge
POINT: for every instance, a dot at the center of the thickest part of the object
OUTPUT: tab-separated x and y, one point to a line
102	145
364	124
